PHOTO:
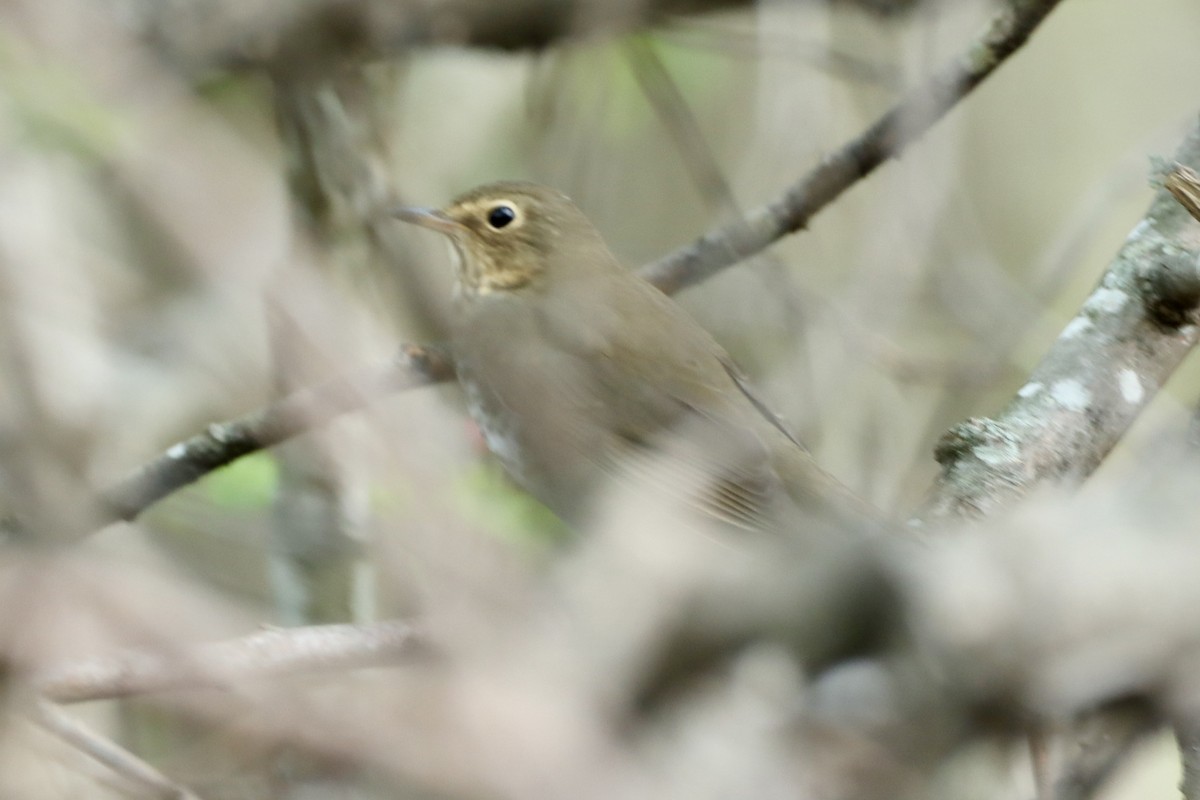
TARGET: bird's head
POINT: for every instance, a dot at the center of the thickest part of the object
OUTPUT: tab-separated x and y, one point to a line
511	234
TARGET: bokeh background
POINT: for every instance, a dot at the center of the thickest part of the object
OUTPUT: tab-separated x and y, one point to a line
191	226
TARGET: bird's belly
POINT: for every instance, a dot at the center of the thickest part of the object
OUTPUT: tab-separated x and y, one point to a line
501	431
536	434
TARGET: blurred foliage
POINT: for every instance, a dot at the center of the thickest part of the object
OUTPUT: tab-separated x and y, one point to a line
248	483
53	108
601	76
489	499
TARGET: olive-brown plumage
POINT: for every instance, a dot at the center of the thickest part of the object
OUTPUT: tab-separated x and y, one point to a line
578	370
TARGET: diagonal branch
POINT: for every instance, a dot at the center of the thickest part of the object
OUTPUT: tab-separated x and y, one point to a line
1106	365
107	752
188	461
222	443
220	665
1104	368
676	116
1187	734
887	138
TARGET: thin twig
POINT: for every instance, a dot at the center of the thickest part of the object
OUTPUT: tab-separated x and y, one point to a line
188	461
109	753
677	117
1040	738
668	101
1188	737
904	124
222	443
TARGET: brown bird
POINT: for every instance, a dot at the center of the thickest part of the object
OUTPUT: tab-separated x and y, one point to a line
577	371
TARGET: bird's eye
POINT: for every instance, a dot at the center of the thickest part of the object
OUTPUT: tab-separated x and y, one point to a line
500	216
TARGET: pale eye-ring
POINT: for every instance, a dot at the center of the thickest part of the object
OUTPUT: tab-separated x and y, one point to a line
501	216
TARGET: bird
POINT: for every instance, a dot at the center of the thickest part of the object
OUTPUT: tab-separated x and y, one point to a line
579	372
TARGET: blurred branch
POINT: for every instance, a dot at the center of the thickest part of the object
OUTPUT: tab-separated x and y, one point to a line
187	461
1107	364
782	45
993	626
1099	744
1039	761
109	753
1188	737
319	570
224	442
676	116
1184	184
671	106
901	126
286	36
276	651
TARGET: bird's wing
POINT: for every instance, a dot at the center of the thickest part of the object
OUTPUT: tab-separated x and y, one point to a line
701	461
750	393
666	388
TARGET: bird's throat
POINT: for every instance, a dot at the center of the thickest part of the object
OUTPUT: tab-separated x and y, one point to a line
479	274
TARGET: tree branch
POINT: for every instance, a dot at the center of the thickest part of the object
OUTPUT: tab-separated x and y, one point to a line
1107	364
107	752
983	628
1188	736
285	36
223	443
887	138
312	35
276	651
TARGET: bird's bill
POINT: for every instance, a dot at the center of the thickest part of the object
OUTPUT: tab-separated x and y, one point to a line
428	218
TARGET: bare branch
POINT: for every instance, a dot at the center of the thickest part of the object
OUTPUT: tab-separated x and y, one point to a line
1004	634
109	753
887	138
187	461
1188	737
1098	745
222	443
271	652
1107	364
673	111
286	36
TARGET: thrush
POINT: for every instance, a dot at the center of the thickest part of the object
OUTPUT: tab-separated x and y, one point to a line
578	371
